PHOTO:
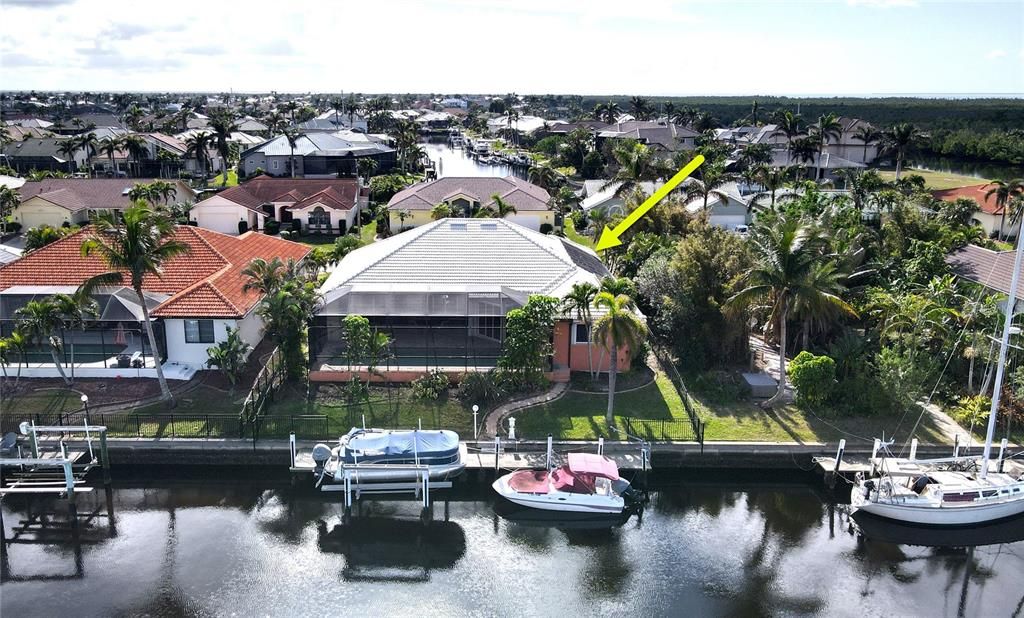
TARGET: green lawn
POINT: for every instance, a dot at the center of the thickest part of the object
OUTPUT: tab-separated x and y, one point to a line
936	180
573	235
216	180
368	232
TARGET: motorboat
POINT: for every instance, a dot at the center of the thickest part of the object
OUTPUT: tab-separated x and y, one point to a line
386	455
958	491
587	483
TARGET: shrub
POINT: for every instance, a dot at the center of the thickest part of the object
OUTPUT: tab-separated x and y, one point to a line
431	386
972	411
479	388
546	228
14	226
271	227
814	378
296	226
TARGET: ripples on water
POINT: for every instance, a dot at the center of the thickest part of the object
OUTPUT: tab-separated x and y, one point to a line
699	549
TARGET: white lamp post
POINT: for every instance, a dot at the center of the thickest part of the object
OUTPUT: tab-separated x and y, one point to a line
476	409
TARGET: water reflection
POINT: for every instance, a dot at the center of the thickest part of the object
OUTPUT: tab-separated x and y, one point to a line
450	161
711	548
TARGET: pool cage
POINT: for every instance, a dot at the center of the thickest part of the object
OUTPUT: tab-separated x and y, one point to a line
454	331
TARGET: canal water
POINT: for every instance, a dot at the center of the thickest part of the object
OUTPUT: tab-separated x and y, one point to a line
450	161
721	548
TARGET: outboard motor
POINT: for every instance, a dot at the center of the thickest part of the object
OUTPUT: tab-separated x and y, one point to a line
321	455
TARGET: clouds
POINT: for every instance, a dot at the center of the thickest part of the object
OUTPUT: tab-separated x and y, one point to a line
37	4
884	4
995	54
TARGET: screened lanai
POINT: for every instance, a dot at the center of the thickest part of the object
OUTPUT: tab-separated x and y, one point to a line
115	338
430	327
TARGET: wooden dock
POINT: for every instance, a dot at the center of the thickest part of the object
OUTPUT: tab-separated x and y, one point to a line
852	465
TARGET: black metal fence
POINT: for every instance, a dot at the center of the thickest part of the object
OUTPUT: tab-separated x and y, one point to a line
697	424
660	430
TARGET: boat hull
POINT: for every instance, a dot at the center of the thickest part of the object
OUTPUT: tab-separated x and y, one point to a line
561	502
384	473
944	516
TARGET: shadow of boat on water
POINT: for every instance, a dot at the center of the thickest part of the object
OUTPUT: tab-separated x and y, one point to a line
887	531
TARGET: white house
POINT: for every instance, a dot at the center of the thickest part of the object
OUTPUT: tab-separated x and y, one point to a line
466	196
319	205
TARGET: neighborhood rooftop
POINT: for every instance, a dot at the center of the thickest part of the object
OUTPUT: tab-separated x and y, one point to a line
519	193
339	193
76	194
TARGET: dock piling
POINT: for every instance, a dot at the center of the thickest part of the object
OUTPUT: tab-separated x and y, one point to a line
956	446
1002	451
69	479
548	466
105	458
600	446
497	450
839	462
292	448
913	449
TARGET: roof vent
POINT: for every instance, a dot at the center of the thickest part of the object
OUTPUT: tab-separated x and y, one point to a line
458	226
489	226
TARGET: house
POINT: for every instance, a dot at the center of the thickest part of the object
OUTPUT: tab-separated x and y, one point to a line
175	157
342	120
988	268
41	154
466	196
73	201
523	124
662	137
847	147
192	304
252	126
600	195
442	292
316	155
320	205
989	215
728	213
824	166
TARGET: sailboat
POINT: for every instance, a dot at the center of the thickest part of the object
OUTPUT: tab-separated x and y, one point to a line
958	491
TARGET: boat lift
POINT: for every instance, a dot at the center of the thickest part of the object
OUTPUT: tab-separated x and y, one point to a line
31	475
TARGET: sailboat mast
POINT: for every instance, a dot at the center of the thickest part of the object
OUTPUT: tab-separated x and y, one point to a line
1004	345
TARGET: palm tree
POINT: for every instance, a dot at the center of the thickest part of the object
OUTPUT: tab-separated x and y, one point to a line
786	253
713	177
441	211
223	125
68	147
293	140
861	184
511	118
1005	191
617	327
110	146
869	135
827	127
366	167
803	150
136	147
641	108
754	109
899	140
197	146
75	310
501	207
276	123
608	112
352	107
18	342
263	275
772	179
9	199
637	164
789	124
544	176
338	105
136	243
579	301
40	322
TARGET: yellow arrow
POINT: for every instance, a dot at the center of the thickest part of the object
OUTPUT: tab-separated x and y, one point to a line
610	237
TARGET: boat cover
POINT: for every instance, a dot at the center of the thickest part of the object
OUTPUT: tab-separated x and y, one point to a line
597	465
428	443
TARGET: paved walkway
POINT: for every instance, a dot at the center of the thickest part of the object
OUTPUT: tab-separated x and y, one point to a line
495	419
767	361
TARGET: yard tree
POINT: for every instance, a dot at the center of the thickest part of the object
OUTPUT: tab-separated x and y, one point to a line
579	302
527	342
134	243
41	323
619	326
76	310
229	356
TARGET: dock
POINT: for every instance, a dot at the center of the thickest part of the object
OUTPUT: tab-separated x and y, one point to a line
62	471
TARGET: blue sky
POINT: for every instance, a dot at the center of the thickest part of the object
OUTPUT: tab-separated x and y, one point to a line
654	47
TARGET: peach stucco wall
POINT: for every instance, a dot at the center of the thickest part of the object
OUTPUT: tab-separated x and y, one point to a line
577	359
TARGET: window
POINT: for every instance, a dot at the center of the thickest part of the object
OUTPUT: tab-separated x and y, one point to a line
198	331
489	326
319	217
580	333
273	165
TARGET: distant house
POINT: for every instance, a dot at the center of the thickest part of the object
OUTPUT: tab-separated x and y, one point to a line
523	124
989	215
663	137
467	196
59	201
316	155
598	196
41	154
726	213
442	292
192	304
252	127
153	164
343	120
828	164
847	147
329	206
591	126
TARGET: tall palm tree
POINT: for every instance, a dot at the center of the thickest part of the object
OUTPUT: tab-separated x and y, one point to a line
641	108
136	147
828	127
338	105
68	147
352	108
579	301
786	253
40	322
869	135
75	310
366	167
789	124
607	112
512	118
899	140
136	244
772	179
293	140
111	146
637	164
618	326
198	147
544	176
803	150
223	125
1005	191
712	178
263	275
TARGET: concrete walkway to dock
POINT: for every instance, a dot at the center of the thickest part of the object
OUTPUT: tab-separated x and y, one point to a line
494	420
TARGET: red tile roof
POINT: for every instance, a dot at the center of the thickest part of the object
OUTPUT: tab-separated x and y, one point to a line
975	192
207	282
264	190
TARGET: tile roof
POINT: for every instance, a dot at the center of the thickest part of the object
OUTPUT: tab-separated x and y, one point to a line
992	269
337	193
35	148
478	254
206	282
321	144
76	194
523	195
974	192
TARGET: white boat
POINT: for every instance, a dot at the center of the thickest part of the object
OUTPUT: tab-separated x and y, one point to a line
588	483
385	455
955	492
